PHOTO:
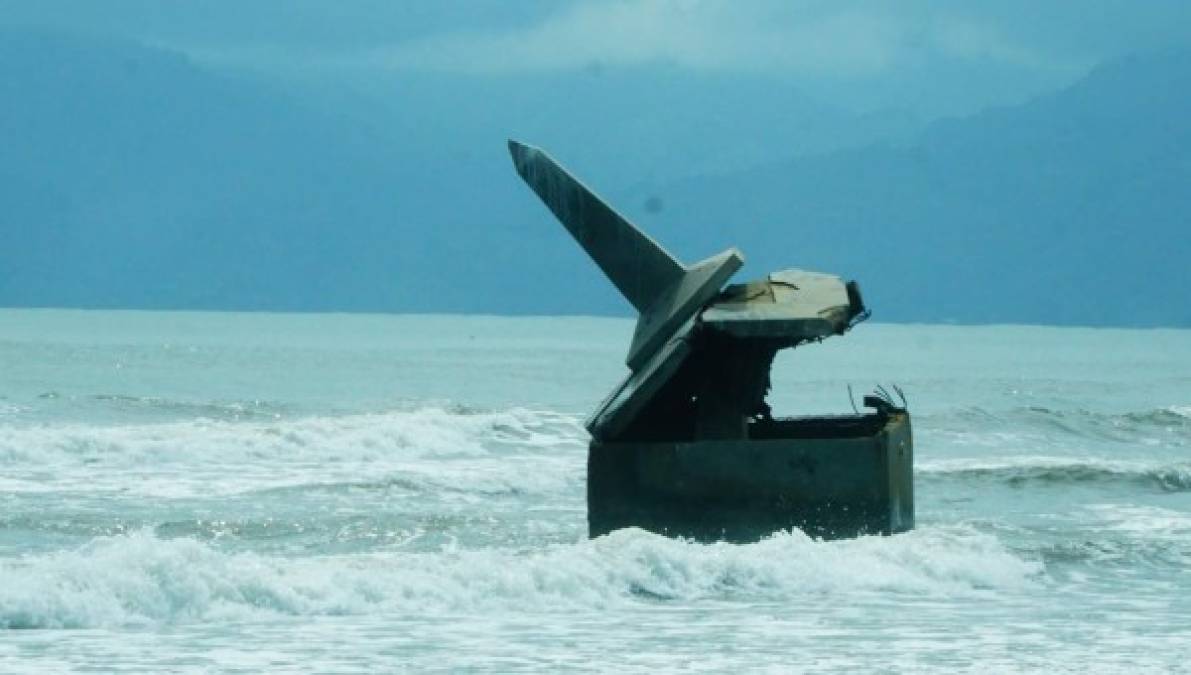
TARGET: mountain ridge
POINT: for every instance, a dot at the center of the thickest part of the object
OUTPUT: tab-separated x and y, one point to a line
137	178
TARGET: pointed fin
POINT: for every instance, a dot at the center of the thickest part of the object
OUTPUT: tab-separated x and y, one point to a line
665	292
636	264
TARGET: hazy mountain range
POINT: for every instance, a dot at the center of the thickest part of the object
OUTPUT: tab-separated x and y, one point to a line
132	177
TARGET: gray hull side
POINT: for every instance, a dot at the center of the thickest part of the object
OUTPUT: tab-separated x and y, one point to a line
741	491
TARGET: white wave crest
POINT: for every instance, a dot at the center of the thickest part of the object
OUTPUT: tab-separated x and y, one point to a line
224	457
973	464
140	579
1167	476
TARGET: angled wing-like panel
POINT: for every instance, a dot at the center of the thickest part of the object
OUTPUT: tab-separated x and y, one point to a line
638	267
665	292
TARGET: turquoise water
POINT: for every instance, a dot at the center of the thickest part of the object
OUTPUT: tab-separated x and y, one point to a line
188	492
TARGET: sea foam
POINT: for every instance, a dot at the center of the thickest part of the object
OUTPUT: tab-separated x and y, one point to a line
435	445
141	579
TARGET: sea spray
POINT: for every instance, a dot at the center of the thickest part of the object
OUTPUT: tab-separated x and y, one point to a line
140	578
434	447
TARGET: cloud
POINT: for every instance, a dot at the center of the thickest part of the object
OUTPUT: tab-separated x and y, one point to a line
805	38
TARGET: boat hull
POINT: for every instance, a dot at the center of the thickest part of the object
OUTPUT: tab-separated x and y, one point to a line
829	477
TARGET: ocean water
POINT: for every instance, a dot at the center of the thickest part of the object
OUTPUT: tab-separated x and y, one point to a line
206	492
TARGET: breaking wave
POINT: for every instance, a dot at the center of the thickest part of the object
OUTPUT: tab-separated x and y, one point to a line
1060	471
979	426
422	432
425	431
429	446
140	579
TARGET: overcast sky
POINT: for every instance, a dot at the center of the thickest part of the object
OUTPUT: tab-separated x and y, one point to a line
848	50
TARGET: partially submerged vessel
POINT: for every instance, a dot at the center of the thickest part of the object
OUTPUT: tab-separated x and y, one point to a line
686	445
